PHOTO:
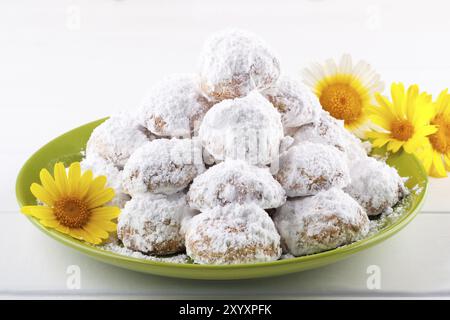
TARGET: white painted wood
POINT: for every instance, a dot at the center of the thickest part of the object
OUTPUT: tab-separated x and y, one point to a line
414	262
56	75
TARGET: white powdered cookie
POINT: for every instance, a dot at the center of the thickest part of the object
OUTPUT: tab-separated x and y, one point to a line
331	131
375	185
117	138
231	235
296	103
152	223
235	62
308	168
322	222
246	128
163	166
235	181
174	107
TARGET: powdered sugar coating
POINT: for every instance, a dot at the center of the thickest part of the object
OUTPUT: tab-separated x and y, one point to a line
246	128
163	166
375	185
174	107
322	222
152	224
101	167
235	62
235	181
117	138
307	168
297	103
232	234
330	131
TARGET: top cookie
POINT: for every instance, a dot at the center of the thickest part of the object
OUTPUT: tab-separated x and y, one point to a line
235	62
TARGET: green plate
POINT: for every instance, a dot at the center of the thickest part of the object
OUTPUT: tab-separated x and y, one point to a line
67	148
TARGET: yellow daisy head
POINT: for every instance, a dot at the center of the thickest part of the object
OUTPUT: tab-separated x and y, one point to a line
404	122
345	90
435	155
74	203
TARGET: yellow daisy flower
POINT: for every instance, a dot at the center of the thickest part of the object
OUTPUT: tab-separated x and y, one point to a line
405	122
435	155
73	203
345	90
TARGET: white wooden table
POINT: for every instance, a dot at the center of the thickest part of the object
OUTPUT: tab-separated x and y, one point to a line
65	63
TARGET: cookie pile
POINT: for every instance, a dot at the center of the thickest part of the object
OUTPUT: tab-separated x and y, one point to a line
237	163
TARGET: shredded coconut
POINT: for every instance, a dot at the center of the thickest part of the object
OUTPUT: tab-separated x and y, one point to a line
232	234
375	185
174	107
163	166
235	181
296	103
235	62
246	128
117	138
325	221
330	131
120	249
307	168
101	167
152	223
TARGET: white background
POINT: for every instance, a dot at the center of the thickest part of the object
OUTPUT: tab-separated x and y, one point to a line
65	63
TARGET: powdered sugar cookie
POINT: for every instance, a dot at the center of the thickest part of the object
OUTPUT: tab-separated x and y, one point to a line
322	222
152	224
375	185
330	131
117	138
163	166
174	107
235	181
246	128
307	168
101	167
235	62
232	234
296	103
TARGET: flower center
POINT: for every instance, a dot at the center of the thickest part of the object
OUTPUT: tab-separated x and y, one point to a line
342	102
441	139
402	130
72	213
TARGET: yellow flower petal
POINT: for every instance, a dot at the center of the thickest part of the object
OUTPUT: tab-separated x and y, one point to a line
438	165
48	183
101	198
95	230
105	212
41	194
105	225
97	185
79	234
50	223
40	212
74	178
85	183
447	162
62	229
394	145
61	178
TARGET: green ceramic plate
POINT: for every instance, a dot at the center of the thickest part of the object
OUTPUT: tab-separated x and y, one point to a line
67	148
